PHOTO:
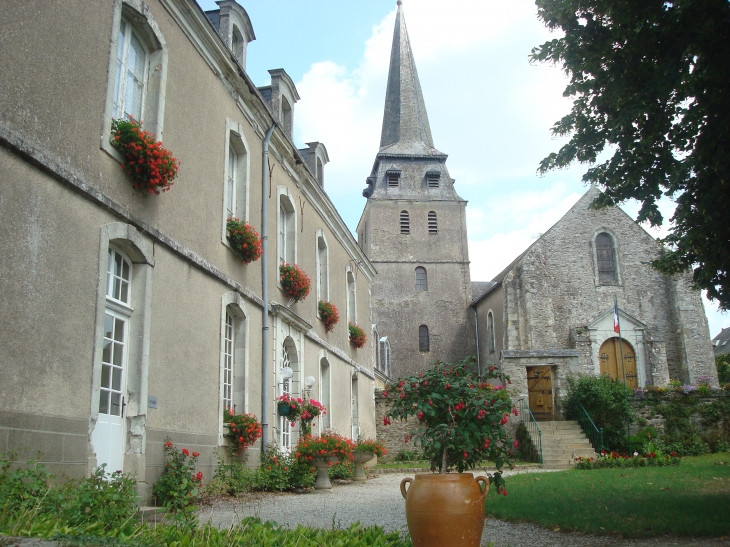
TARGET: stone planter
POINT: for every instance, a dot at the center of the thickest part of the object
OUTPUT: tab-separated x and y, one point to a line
323	466
360	459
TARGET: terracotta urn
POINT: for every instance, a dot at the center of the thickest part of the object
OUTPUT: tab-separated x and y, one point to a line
360	459
445	510
323	466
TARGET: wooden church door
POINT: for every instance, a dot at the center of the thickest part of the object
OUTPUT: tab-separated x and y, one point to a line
540	392
610	357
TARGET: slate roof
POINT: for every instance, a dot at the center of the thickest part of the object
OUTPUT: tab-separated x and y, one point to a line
721	342
479	288
406	131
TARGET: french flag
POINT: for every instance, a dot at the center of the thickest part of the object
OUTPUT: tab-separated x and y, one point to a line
616	326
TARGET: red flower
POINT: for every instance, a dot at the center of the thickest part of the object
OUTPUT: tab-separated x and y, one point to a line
386	420
168	444
196	454
185	451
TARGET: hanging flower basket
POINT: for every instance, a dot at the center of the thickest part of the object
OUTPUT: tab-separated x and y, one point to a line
357	335
244	240
245	430
328	313
152	167
284	409
294	282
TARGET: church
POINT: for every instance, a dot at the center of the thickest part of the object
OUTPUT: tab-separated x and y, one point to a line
550	313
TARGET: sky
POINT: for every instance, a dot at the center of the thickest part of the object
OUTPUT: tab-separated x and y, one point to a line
489	108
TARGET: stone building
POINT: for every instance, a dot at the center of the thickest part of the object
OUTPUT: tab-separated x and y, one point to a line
413	230
128	318
551	312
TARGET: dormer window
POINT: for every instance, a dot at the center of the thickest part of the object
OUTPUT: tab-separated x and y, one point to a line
393	178
432	178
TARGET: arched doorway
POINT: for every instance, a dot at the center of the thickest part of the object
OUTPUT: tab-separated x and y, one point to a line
610	358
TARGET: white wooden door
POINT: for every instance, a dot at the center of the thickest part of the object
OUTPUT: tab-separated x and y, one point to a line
109	432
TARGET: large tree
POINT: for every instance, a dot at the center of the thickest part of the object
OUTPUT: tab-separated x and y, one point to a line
650	81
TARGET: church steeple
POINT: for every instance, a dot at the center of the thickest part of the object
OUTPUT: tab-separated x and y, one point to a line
405	122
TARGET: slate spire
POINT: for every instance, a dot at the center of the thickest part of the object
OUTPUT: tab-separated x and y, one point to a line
405	122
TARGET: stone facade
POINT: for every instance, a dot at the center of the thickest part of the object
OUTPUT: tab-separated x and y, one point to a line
554	298
414	224
193	310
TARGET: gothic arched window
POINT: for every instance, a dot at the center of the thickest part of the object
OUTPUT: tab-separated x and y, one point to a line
605	258
423	341
490	332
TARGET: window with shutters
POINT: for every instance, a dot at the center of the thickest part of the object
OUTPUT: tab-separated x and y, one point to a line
322	268
605	259
351	297
433	227
421	282
235	175
393	179
423	341
287	228
432	179
405	222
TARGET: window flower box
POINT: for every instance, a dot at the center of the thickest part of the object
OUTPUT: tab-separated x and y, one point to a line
294	282
152	167
244	240
329	315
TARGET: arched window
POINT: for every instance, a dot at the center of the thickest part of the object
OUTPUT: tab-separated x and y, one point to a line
421	281
322	269
325	421
433	227
605	258
423	341
351	298
405	223
287	230
490	332
236	173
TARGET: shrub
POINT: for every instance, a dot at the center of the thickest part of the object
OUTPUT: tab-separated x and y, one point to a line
21	488
722	362
179	484
152	167
343	470
357	335
294	282
406	455
231	478
608	460
329	314
244	240
329	444
606	402
273	474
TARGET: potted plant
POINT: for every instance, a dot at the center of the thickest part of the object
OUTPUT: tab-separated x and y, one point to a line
151	166
357	335
287	406
459	422
322	452
364	451
244	240
309	409
294	282
244	430
328	313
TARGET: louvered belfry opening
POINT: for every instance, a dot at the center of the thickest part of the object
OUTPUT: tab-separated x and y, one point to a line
433	227
405	222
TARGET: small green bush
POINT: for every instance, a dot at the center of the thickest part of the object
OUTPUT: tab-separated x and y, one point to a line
407	455
343	470
179	484
607	403
722	362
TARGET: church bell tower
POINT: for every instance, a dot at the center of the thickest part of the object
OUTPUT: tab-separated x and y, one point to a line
413	230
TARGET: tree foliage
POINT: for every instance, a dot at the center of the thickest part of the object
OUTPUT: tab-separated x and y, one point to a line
650	81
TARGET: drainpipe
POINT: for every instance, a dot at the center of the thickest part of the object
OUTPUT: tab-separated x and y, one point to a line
265	291
476	332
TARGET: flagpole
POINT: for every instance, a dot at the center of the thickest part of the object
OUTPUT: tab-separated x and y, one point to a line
623	371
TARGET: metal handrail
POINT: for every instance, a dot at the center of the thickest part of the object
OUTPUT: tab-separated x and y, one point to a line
595	435
530	423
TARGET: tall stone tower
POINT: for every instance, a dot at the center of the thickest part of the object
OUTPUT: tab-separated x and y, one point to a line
413	229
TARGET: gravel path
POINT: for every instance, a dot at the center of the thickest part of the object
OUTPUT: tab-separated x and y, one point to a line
379	502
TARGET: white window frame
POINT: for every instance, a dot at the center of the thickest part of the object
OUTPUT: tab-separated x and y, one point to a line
286	227
233	305
325	391
322	253
351	292
141	23
236	200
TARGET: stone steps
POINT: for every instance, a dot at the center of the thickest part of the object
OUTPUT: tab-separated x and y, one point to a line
562	442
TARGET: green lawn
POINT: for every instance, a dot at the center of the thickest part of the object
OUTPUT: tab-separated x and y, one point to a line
692	499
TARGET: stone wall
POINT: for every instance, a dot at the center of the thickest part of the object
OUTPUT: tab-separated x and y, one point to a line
393	435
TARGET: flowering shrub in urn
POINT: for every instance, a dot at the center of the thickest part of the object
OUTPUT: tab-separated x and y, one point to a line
460	417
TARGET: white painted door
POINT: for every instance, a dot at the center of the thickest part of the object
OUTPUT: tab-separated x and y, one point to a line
109	432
